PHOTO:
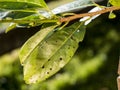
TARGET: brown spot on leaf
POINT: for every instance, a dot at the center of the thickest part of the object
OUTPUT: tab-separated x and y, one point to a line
60	58
48	59
50	68
43	66
47	72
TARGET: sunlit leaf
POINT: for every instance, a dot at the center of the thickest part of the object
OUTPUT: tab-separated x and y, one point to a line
42	2
15	14
51	54
73	6
35	18
17	9
112	15
10	27
3	27
34	42
26	19
22	4
12	5
115	2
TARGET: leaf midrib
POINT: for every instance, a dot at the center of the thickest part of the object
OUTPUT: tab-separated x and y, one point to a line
63	43
24	59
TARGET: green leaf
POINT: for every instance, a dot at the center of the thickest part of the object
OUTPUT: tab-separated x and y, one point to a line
3	27
34	20
73	6
22	18
42	2
17	9
33	42
18	5
115	2
112	15
22	4
16	14
10	27
50	55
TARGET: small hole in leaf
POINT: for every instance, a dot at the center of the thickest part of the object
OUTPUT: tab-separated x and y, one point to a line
60	58
56	41
12	12
48	59
43	66
50	68
41	47
47	72
71	37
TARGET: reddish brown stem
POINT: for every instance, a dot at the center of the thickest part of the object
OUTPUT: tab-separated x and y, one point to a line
118	78
77	16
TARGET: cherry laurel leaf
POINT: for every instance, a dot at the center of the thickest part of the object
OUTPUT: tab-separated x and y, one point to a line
52	53
73	6
33	42
22	4
115	2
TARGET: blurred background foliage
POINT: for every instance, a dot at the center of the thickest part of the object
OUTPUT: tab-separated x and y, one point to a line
93	67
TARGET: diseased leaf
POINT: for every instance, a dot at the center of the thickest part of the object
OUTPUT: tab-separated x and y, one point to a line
33	43
50	55
115	2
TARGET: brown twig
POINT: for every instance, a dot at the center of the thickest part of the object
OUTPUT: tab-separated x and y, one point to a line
77	16
118	78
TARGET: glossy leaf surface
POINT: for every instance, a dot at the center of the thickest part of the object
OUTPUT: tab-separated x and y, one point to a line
10	27
33	43
112	15
45	58
24	13
22	4
115	2
8	5
24	18
73	6
15	14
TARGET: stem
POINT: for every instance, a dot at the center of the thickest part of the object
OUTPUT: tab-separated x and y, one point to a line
65	19
118	78
77	16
